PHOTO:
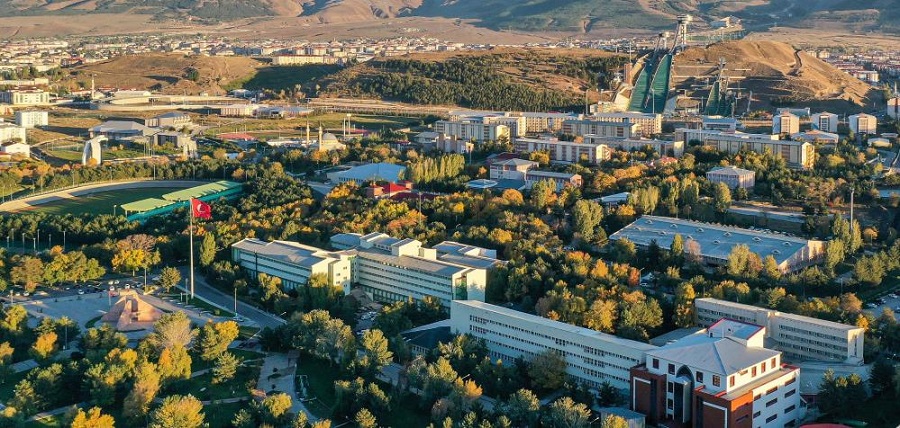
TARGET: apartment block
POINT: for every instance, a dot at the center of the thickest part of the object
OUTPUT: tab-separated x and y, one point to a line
722	376
292	262
526	172
651	124
598	128
31	119
565	151
863	124
797	154
18	97
537	122
663	147
732	176
591	357
825	121
392	269
472	130
785	123
9	132
799	337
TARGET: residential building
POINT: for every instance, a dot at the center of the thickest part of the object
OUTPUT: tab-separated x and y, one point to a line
797	154
816	136
825	121
800	338
31	119
11	132
369	172
651	124
238	110
719	123
863	124
722	376
526	171
561	179
893	107
472	130
621	130
304	60
15	148
733	176
716	242
785	123
537	122
173	119
663	147
592	357
565	151
292	262
120	130
392	269
21	97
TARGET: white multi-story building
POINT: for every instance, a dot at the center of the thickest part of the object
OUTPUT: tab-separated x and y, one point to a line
733	176
799	337
825	121
392	269
17	97
623	130
651	124
863	124
14	148
472	130
591	357
565	151
536	122
785	123
719	377
10	132
893	107
292	262
797	154
719	123
30	119
663	147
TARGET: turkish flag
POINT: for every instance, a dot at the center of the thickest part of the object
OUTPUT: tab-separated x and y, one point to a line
200	209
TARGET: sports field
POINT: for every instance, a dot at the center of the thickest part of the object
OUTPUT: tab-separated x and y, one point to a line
101	203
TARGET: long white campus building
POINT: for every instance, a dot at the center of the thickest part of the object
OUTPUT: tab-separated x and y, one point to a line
591	357
798	337
797	154
292	262
393	269
717	242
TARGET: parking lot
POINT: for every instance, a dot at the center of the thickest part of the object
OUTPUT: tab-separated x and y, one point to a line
891	301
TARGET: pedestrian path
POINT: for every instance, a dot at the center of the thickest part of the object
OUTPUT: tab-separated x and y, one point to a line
284	369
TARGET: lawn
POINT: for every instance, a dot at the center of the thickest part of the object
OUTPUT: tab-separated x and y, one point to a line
203	388
49	422
7	388
320	379
197	364
278	78
101	203
200	304
220	415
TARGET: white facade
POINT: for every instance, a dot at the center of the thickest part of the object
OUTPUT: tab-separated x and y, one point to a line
651	124
893	107
732	176
799	337
565	151
591	357
863	124
663	147
827	122
796	153
14	148
785	123
30	119
93	151
25	97
292	262
472	130
392	269
10	132
621	130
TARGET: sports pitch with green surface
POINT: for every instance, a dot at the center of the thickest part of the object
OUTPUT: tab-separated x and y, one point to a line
101	203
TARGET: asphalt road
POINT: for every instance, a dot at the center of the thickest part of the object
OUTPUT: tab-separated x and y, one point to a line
208	292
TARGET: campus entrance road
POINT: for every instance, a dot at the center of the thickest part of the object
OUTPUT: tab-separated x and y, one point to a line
204	290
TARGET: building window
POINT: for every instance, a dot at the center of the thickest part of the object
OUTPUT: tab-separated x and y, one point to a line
700	377
671	387
771	418
671	368
790	393
716	380
730	380
670	404
773	363
753	372
655	363
790	409
756	415
771	402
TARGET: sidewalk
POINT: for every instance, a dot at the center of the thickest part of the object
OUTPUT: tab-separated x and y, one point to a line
283	381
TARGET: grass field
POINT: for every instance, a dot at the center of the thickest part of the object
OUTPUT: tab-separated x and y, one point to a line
100	203
278	78
220	415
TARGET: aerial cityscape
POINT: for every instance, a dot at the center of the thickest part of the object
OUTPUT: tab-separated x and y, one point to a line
456	214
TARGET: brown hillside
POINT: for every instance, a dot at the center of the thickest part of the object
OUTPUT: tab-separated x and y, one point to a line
775	72
165	73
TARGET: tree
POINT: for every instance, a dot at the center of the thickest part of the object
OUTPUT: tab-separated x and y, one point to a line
608	395
543	194
225	368
207	249
522	408
13	319
770	268
586	216
178	411
45	346
881	377
171	330
25	398
684	305
365	419
613	421
174	364
215	338
743	262
374	347
92	419
146	386
601	316
722	198
27	273
548	370
275	409
838	395
169	277
834	254
676	250
565	413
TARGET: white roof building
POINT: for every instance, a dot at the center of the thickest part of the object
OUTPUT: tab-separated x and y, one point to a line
293	262
369	172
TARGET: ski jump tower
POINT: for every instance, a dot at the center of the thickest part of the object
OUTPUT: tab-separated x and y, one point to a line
681	33
651	88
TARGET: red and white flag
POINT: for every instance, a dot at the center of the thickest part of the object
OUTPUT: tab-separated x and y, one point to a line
200	209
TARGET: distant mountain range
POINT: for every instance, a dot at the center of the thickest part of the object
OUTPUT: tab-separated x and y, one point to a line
528	15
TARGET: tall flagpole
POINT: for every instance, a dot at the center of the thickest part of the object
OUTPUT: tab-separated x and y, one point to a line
191	238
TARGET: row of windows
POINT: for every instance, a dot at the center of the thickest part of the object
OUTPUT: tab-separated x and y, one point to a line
803	351
829	345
